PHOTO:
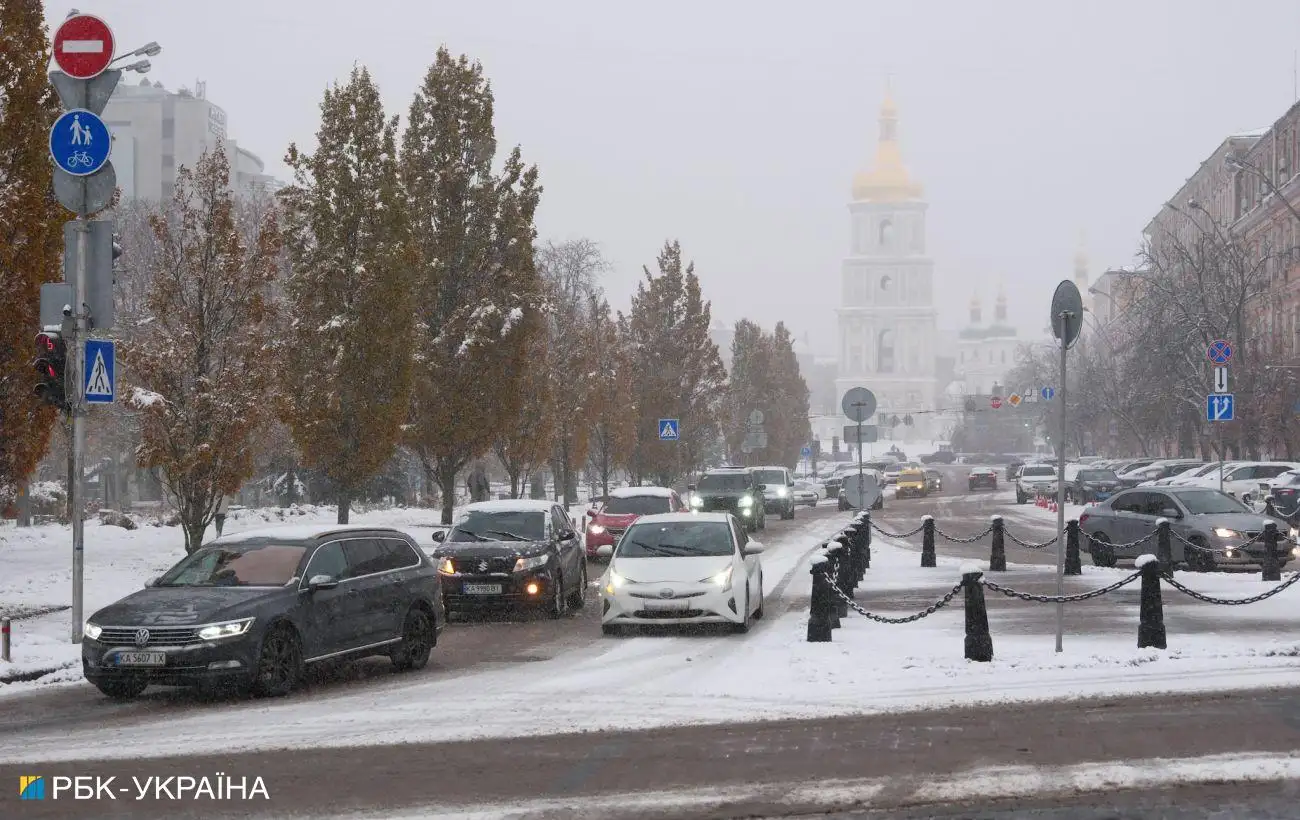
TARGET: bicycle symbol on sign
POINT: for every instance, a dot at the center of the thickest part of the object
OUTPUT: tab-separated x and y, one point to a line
80	159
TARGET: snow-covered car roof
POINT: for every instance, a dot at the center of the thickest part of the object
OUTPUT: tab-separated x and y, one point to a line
677	518
635	492
297	532
510	505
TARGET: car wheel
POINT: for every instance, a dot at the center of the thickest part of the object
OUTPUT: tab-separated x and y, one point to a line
279	666
578	598
743	627
417	641
123	688
762	521
880	503
559	604
758	613
611	629
1103	553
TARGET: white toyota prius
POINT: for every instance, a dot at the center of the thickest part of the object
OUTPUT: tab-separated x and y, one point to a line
683	569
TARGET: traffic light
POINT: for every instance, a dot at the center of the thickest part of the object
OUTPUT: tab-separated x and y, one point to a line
51	368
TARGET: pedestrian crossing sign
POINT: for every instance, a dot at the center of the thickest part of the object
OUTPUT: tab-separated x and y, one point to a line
669	429
99	369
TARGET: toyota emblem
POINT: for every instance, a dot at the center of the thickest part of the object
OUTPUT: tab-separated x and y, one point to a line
482	566
142	637
666	593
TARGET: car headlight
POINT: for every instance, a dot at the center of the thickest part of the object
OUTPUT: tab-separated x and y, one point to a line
226	630
595	529
91	631
782	492
746	501
535	562
722	579
1224	532
446	567
696	501
615	581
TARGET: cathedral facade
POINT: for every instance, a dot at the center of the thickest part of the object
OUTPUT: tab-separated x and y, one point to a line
888	334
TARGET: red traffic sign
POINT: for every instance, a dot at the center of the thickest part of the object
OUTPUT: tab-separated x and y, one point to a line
1219	351
83	46
996	401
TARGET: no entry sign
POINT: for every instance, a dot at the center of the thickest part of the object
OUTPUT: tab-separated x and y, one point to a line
83	46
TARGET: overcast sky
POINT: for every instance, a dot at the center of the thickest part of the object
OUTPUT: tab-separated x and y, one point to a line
736	126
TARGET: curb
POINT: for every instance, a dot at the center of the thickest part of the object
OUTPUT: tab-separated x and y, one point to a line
35	674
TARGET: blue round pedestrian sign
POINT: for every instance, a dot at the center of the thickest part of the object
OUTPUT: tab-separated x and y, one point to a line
80	142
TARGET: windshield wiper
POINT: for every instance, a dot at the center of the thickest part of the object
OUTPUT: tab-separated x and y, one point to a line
473	535
656	548
511	535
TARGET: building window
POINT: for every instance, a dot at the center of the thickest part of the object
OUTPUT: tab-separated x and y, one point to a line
886	235
1004	357
885	352
886	282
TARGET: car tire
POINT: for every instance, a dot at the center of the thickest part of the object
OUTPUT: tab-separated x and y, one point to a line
279	663
743	627
578	598
123	688
558	606
758	613
762	521
418	640
611	629
1102	551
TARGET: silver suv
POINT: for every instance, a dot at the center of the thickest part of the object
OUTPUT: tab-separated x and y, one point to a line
778	490
1035	480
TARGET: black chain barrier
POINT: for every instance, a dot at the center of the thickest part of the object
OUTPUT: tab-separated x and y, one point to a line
888	534
1217	550
1062	599
1129	545
906	619
1210	599
958	540
1030	546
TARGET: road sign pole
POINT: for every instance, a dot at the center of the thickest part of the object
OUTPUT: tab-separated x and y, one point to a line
1066	316
78	372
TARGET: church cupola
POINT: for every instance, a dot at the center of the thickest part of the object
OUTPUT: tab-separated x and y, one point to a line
888	180
975	316
1000	308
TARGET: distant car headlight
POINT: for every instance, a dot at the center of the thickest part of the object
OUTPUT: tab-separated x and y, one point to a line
228	629
1224	532
1295	534
535	562
722	579
696	501
595	529
781	492
446	567
91	631
746	501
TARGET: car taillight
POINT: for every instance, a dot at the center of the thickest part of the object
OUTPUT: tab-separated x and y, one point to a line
1082	518
1284	492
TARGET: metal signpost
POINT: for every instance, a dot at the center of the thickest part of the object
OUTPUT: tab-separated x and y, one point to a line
84	182
1067	321
859	404
1220	405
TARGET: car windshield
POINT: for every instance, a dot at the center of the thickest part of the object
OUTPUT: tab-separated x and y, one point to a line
802	485
685	539
637	505
725	482
237	565
1210	502
1097	475
772	478
500	525
1038	472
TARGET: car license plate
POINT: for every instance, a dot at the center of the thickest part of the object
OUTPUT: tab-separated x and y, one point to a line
481	589
667	606
141	658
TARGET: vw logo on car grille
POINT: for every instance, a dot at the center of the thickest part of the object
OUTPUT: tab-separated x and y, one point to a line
666	593
482	566
142	637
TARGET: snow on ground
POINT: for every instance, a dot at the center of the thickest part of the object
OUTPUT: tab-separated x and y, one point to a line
37	563
653	680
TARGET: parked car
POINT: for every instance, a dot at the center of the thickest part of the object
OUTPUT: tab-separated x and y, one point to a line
1157	470
252	610
940	457
512	553
933	481
671	569
733	490
805	492
1013	469
911	483
893	471
1284	493
985	478
1124	465
1188	476
1034	480
778	490
1085	484
624	506
1204	517
1242	481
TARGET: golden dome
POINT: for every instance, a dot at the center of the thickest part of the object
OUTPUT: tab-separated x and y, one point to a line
888	180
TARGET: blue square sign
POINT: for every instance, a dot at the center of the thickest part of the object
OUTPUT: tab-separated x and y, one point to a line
99	371
670	429
1219	407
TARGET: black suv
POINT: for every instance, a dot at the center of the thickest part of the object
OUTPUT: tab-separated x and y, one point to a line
734	490
254	608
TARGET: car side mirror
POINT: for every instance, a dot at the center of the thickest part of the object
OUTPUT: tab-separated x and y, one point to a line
439	536
604	551
753	548
1170	512
568	536
319	582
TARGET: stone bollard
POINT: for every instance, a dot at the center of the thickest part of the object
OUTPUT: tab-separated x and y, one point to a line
998	555
847	579
1272	567
4	639
979	643
1151	623
1073	565
1164	546
821	607
927	542
839	609
866	540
